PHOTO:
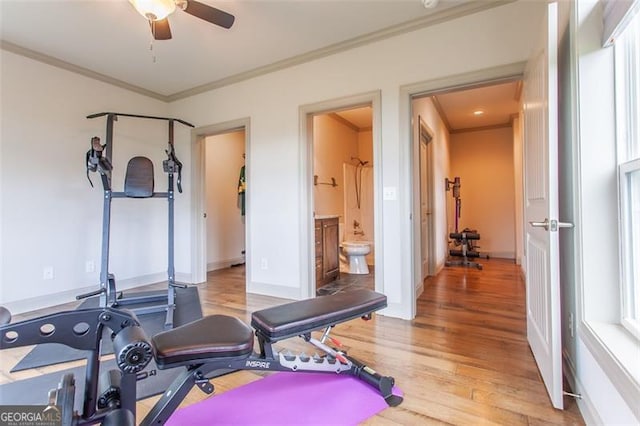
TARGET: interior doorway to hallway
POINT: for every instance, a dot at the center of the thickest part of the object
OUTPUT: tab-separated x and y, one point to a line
476	137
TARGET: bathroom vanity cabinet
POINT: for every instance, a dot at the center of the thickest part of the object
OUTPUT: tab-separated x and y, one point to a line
327	250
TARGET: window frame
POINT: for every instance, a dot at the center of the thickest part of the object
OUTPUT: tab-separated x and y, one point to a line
627	94
630	317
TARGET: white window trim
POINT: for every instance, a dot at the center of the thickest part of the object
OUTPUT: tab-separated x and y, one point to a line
610	344
629	290
626	59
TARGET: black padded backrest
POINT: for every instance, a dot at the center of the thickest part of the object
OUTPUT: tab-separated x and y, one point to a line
138	181
297	318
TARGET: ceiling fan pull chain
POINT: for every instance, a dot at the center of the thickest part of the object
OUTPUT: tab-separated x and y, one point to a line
153	36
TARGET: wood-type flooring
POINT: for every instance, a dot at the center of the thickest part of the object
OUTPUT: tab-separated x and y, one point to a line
464	359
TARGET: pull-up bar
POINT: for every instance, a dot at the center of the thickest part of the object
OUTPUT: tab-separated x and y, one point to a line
115	114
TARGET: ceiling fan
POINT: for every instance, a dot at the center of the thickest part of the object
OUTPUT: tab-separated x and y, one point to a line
157	12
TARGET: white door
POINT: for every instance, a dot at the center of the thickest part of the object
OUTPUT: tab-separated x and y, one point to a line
541	208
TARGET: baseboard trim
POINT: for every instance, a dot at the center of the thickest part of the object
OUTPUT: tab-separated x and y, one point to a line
46	301
292	293
222	264
500	254
587	409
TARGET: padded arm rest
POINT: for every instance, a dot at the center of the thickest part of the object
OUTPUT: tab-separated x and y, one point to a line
297	318
5	316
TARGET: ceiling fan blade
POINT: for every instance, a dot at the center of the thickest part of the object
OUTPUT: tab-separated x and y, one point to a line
209	14
160	29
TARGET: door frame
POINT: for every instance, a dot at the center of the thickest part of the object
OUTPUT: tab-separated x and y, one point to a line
307	252
410	151
199	196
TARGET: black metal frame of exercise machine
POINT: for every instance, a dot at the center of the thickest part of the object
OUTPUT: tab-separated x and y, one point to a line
138	184
83	330
207	348
465	239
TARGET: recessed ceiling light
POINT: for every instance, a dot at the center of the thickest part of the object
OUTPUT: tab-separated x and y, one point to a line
478	112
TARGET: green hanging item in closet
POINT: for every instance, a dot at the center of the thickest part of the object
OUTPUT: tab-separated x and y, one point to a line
242	188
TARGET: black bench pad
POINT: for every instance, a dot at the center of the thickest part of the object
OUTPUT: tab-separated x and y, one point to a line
297	318
213	337
464	236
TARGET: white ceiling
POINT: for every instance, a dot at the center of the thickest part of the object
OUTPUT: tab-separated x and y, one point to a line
110	38
498	103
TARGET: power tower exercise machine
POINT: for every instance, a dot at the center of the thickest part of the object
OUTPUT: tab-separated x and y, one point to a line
138	183
467	239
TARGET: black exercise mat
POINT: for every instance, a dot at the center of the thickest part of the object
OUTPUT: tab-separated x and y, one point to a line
187	309
35	391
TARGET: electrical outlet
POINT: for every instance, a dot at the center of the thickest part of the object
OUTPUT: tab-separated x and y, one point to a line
264	263
90	266
47	273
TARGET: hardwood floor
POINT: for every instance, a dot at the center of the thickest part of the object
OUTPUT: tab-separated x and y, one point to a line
463	360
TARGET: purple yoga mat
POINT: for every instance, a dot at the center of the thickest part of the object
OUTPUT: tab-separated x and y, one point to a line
288	399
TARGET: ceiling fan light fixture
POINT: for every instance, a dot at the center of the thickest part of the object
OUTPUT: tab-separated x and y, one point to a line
154	10
430	4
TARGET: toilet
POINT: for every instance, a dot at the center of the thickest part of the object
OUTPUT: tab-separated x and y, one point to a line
353	255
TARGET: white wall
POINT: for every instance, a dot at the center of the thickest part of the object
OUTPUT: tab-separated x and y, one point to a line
424	108
501	36
484	162
334	143
225	223
50	215
519	206
365	145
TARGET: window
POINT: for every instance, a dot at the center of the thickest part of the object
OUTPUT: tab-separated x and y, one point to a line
627	80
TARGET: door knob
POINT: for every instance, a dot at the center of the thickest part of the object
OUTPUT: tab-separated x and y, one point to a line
552	225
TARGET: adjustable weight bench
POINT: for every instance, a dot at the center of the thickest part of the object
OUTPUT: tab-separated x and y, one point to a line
207	348
218	344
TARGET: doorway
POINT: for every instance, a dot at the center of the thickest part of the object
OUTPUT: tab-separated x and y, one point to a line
343	199
228	142
322	180
225	189
476	137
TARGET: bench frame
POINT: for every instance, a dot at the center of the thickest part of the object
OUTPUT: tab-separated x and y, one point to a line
128	338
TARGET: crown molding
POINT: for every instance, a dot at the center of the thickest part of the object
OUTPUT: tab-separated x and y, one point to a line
409	26
441	113
50	60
